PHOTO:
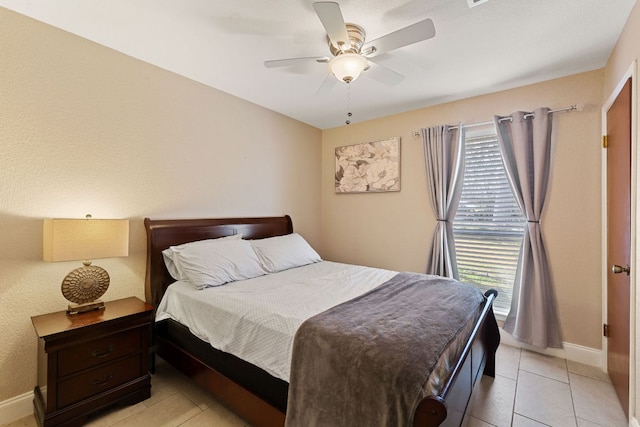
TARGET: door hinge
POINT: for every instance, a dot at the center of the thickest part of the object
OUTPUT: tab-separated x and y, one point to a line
605	141
605	330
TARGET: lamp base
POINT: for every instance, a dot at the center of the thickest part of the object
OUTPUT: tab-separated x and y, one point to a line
87	306
83	286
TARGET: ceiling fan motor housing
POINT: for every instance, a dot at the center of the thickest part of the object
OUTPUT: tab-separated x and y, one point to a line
356	40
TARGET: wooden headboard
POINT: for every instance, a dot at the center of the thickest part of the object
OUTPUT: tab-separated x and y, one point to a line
171	232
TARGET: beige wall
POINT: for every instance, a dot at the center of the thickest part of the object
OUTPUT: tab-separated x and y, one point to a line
627	51
84	129
393	230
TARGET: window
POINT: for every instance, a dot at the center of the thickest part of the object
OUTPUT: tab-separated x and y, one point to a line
488	227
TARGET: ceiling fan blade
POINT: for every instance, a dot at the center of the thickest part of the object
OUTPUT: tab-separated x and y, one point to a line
333	22
327	85
414	33
383	74
293	61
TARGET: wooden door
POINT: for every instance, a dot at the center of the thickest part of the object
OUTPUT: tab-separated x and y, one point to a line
619	241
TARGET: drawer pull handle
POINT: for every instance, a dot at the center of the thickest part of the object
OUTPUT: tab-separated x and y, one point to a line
100	355
102	383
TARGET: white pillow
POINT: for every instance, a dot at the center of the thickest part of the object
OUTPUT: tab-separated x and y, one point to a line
284	252
170	258
217	263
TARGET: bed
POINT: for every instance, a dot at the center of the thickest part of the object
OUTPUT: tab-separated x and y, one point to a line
259	396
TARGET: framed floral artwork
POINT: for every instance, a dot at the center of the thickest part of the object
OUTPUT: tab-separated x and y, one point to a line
368	167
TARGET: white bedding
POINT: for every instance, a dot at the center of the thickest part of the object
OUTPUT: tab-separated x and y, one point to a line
256	319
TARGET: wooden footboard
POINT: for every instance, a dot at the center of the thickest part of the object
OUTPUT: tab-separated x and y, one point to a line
478	357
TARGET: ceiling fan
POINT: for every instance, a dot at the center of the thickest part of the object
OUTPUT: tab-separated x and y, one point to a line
351	54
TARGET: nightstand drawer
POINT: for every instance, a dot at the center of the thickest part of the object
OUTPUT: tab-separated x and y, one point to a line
98	351
96	381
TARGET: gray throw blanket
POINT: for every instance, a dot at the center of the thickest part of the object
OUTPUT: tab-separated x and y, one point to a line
365	362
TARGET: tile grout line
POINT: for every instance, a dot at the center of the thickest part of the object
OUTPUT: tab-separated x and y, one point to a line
194	404
515	393
573	402
546	376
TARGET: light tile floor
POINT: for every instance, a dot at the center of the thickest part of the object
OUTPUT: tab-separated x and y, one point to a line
529	390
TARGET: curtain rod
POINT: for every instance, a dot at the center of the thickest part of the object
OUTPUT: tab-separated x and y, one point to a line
574	107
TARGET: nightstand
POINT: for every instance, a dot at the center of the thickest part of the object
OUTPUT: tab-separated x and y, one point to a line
89	361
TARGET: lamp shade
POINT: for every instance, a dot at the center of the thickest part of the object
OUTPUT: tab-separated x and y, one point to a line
348	66
85	239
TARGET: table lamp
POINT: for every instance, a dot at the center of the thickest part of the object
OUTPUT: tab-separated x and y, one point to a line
85	239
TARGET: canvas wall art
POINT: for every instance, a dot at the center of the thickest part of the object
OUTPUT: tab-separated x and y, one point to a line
368	167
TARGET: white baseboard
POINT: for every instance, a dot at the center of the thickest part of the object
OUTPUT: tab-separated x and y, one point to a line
15	408
573	352
633	422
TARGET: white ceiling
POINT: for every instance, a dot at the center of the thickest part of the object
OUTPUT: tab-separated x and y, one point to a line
497	45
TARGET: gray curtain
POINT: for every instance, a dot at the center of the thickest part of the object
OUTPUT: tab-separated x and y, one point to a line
525	144
444	162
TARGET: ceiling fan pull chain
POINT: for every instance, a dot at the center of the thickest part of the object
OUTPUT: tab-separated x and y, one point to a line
348	104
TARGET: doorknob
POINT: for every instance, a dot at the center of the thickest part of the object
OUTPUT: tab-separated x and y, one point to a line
616	269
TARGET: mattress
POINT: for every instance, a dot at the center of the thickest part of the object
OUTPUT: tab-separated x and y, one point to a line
256	319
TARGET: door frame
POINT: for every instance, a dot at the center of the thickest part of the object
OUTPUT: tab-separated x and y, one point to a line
635	219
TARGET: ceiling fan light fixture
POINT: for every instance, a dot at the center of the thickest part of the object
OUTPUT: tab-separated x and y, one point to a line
348	66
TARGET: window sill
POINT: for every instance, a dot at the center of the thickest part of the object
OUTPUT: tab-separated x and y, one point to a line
500	316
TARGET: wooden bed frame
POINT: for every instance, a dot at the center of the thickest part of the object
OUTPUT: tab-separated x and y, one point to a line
251	392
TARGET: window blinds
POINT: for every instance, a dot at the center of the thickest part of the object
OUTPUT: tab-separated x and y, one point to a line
488	226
